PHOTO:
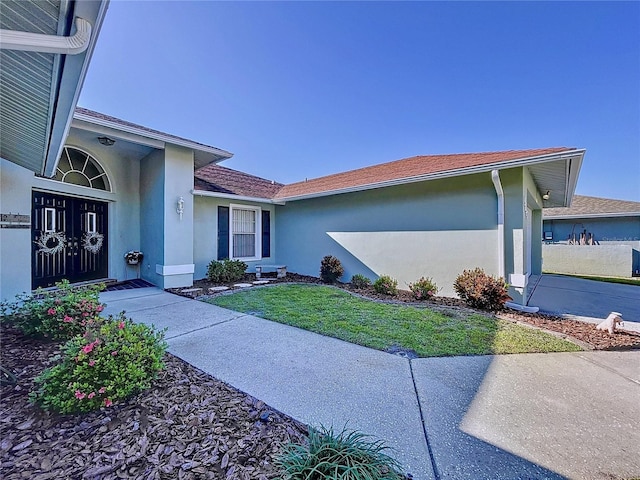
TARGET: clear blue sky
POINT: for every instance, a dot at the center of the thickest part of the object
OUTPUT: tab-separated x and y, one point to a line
305	89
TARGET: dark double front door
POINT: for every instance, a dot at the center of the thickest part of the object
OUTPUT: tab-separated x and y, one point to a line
69	239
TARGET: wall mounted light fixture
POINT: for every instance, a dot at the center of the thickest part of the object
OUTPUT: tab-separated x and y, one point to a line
546	196
106	141
180	207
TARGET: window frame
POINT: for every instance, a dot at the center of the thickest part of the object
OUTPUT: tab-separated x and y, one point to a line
257	234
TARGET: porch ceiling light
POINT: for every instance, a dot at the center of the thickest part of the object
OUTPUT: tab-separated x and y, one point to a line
546	195
106	141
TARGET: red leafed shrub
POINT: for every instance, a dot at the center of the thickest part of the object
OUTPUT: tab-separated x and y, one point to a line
479	290
330	269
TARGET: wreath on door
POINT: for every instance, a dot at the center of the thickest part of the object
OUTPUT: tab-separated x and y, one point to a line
92	241
51	243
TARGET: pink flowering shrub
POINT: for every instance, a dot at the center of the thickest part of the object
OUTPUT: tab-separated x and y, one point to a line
113	360
423	289
58	314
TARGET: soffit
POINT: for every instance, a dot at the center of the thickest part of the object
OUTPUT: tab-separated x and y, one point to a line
26	82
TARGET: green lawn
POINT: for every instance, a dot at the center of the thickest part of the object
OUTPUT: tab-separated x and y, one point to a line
338	314
625	281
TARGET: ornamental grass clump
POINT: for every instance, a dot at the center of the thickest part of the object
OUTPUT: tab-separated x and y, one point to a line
346	455
423	289
360	281
114	359
386	285
58	314
330	269
479	290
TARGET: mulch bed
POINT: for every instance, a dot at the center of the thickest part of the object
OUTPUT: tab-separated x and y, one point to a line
585	333
188	426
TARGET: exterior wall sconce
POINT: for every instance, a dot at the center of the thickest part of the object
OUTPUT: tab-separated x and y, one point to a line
546	196
106	141
180	207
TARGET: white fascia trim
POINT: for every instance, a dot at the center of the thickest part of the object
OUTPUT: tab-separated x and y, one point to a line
167	270
591	215
522	162
573	166
231	196
53	156
38	42
152	135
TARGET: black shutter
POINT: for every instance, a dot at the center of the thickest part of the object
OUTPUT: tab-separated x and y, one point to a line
223	233
266	233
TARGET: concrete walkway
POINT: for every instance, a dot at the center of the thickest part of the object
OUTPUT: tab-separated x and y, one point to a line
587	300
536	416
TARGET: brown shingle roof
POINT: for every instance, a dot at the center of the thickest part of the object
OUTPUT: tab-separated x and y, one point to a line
214	178
583	206
406	169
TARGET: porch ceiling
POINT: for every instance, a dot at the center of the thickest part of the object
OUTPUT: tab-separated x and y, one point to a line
558	177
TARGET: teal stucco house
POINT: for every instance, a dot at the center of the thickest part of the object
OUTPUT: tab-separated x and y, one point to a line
79	189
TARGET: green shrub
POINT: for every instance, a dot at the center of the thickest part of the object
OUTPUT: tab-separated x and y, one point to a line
386	285
58	314
226	271
360	281
423	289
114	359
330	269
344	455
479	290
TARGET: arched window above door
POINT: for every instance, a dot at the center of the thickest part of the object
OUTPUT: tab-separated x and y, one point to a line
80	168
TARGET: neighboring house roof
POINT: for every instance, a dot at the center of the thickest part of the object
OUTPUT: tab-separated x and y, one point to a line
214	178
203	154
559	179
39	88
594	207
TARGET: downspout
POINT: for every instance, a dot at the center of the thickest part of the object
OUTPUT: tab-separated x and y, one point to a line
38	42
495	178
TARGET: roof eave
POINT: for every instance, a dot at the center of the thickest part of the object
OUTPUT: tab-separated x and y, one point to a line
213	154
591	215
232	196
522	162
72	78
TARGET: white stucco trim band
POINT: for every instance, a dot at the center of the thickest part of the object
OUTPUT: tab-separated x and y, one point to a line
231	196
168	270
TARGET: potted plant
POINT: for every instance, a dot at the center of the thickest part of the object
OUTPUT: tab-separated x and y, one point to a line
133	257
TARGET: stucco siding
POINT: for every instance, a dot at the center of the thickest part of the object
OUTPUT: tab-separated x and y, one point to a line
434	229
603	229
15	243
604	260
152	215
205	227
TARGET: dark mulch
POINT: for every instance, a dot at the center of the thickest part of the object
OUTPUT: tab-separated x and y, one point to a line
189	426
585	333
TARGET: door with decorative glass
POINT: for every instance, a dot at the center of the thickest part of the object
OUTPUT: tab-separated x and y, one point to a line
69	239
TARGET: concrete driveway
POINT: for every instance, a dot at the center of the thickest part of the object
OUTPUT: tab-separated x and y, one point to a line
589	300
533	416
